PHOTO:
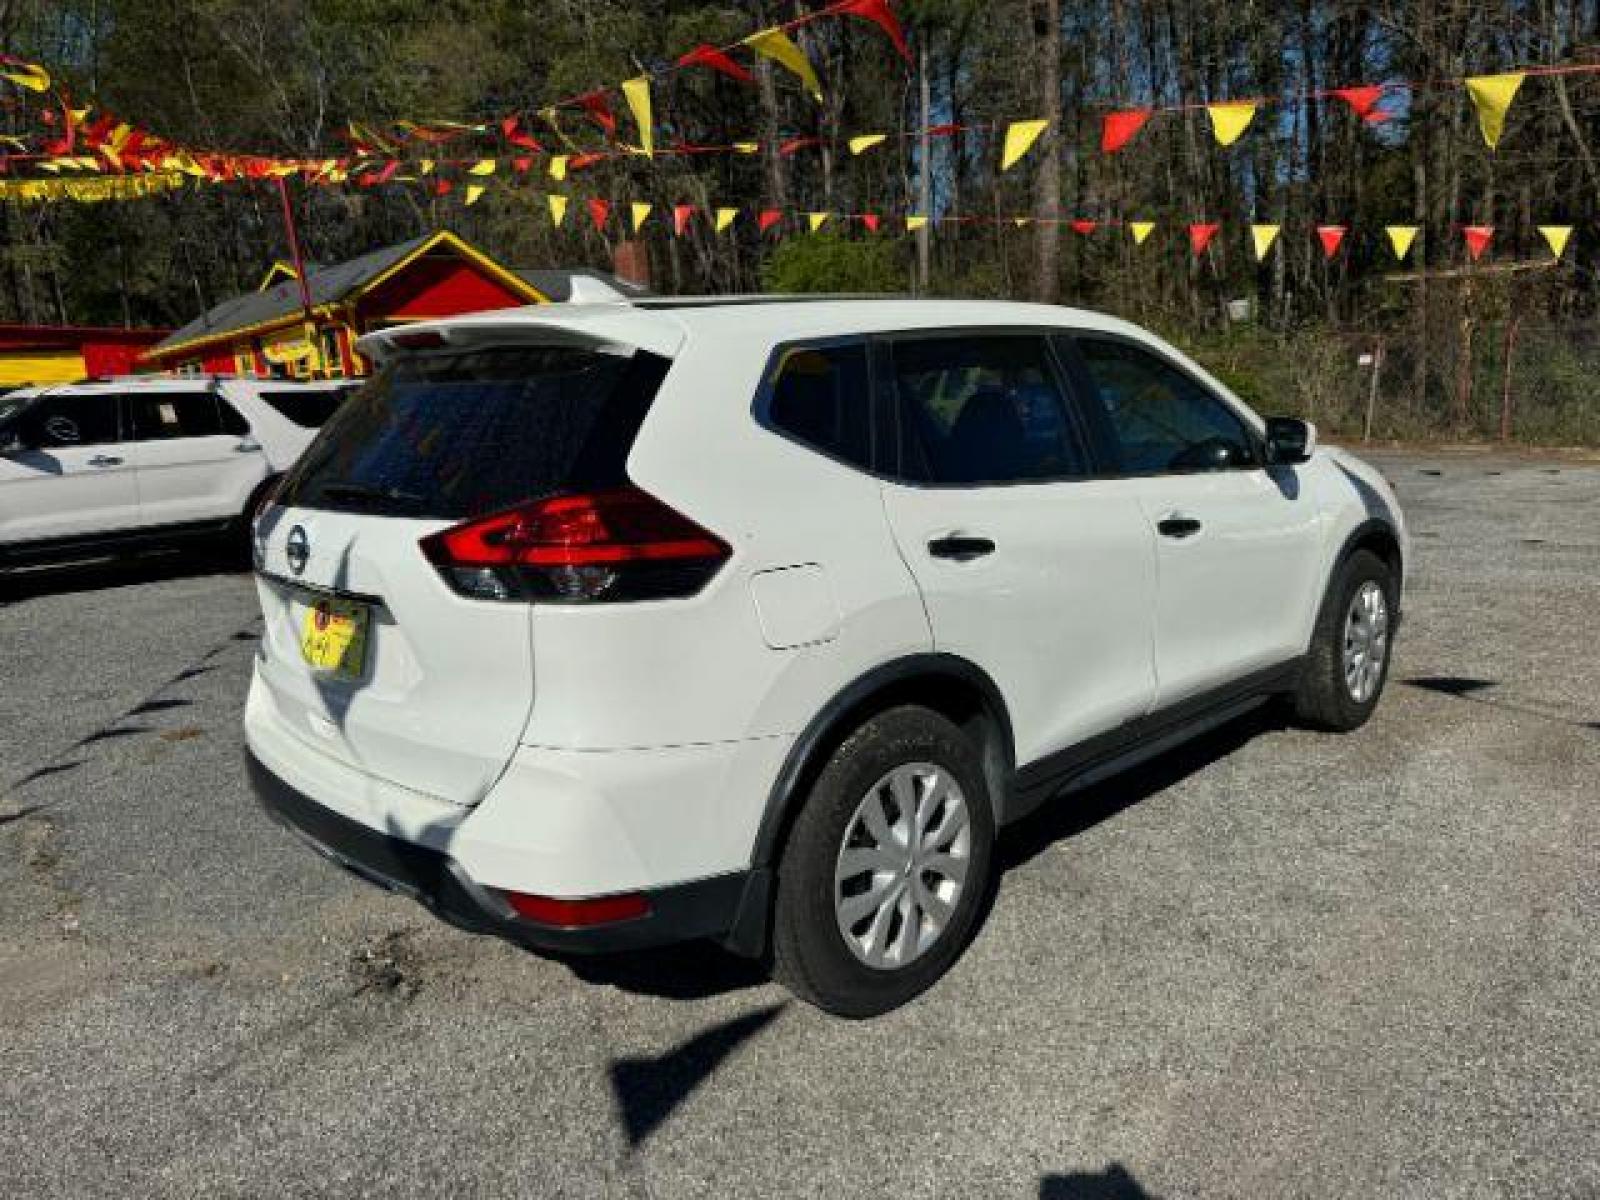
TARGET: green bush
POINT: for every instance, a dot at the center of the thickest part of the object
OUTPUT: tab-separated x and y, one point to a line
830	263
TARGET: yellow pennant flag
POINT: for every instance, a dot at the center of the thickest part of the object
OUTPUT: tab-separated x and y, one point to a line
866	141
1229	121
1141	230
558	210
482	167
1400	239
816	220
1020	137
915	223
26	75
641	213
1022	222
1264	236
558	166
776	45
1556	237
747	147
474	193
725	217
427	166
1492	95
637	93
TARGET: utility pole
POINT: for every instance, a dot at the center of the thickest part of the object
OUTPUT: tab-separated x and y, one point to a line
293	235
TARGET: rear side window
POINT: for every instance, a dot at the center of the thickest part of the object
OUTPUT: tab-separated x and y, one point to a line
459	435
1164	421
161	416
820	396
55	422
982	410
308	408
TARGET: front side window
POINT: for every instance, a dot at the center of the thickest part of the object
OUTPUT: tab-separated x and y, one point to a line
1162	420
982	409
59	422
820	397
163	416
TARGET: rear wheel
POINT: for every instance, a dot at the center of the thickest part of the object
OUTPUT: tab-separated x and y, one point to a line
1348	663
884	873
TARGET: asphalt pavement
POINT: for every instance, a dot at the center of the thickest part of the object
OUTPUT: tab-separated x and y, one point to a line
1274	963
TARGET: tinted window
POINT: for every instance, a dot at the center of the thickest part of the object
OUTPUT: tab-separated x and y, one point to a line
820	396
458	435
982	410
308	408
160	416
233	421
52	422
1163	420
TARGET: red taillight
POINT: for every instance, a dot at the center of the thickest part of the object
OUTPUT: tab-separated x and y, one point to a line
578	914
621	544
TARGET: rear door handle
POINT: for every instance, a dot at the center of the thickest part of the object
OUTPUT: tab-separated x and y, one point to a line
105	460
1177	527
960	549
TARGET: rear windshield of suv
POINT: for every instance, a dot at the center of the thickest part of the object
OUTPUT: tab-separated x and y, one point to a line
461	434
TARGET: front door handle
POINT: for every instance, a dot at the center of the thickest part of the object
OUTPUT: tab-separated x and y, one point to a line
1177	527
248	445
960	549
105	460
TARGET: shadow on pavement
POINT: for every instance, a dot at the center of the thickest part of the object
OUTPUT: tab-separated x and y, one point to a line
1114	1183
648	1090
690	971
1069	815
1461	687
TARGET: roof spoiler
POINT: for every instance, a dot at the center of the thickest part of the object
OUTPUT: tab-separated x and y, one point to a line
592	326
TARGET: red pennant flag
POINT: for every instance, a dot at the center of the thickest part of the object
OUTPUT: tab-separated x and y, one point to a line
599	210
96	134
870	220
1200	237
522	165
1363	101
797	143
579	162
680	217
597	106
442	187
946	130
513	133
877	11
1119	128
1478	239
768	218
710	56
1084	227
1331	236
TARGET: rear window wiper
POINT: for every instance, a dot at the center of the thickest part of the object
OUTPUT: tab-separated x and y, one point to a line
344	490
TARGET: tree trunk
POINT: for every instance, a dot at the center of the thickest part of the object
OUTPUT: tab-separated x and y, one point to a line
1047	181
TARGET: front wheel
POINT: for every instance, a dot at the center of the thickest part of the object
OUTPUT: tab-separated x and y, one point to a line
884	874
1348	662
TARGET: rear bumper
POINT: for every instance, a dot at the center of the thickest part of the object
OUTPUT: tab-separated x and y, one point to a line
681	912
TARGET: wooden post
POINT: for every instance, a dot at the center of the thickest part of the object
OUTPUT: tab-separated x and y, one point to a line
1505	378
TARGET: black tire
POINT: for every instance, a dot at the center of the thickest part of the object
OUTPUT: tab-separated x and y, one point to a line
1323	699
810	954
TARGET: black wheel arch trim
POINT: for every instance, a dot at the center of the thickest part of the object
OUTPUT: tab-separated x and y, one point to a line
1360	534
831	718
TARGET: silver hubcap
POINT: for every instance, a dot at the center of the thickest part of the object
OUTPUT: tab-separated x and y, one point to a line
902	866
1366	642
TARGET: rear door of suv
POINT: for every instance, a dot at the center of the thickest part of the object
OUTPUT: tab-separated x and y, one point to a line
1037	573
416	673
194	453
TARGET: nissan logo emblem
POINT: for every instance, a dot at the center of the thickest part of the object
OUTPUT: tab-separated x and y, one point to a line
298	549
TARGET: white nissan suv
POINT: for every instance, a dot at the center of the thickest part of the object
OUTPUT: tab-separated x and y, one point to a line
90	469
605	625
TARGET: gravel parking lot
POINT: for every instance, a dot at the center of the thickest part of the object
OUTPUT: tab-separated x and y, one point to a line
1275	963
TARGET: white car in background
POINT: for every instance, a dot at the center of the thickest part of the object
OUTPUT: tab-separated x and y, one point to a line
92	469
602	625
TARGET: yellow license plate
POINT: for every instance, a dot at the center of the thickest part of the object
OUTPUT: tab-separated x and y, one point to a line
333	636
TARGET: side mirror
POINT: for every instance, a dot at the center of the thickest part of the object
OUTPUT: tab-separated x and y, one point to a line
1289	441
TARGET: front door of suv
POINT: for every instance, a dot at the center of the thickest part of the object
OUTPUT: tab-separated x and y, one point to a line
1040	576
71	477
1239	545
